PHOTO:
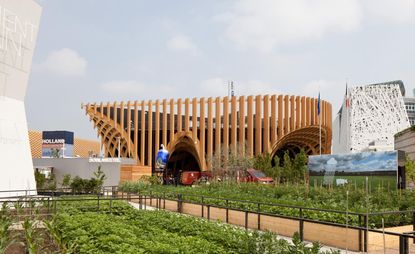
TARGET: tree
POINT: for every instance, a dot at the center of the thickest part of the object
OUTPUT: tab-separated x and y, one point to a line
226	163
271	167
410	170
287	168
299	169
40	180
66	181
99	177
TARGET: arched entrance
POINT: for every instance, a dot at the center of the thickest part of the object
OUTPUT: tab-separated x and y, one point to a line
183	155
307	139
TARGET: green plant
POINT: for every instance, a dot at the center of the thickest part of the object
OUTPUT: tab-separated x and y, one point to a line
5	223
66	181
50	183
127	230
31	236
40	180
410	170
77	184
380	199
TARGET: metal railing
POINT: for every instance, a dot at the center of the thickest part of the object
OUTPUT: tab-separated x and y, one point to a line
52	198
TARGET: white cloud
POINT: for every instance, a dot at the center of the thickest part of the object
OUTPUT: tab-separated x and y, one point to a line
182	43
390	10
331	91
133	89
123	87
65	62
262	24
219	87
265	24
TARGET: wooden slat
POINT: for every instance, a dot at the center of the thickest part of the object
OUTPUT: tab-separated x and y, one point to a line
250	127
109	110
210	132
101	108
171	120
292	113
186	114
150	133
280	116
115	114
242	124
164	123
129	128
286	114
308	112
258	127
218	127
157	128
179	115
136	130
143	132
202	130
313	112
122	119
273	119
234	128
194	119
225	126
297	112
303	112
266	146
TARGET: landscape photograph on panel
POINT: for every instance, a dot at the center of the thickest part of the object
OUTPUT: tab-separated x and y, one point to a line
381	168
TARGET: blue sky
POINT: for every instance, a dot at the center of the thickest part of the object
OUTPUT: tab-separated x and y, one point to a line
106	50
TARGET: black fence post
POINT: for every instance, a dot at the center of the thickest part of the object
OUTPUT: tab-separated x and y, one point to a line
113	192
259	216
203	208
301	225
413	225
179	203
208	212
98	202
111	204
360	233
54	205
151	198
48	205
227	211
403	245
164	200
246	219
365	235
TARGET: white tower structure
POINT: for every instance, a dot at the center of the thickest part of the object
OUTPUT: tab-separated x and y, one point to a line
19	24
370	117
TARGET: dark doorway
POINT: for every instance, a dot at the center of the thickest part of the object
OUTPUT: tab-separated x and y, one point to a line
182	160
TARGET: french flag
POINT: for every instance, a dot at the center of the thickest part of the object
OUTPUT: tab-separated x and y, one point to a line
318	104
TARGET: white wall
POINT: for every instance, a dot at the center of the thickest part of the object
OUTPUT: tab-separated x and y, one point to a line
81	167
19	24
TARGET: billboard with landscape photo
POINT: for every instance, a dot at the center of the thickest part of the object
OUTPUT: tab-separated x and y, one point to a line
381	168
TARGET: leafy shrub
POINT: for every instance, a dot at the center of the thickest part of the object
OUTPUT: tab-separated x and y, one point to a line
295	195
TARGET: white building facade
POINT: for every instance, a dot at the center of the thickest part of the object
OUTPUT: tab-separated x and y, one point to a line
19	25
370	117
